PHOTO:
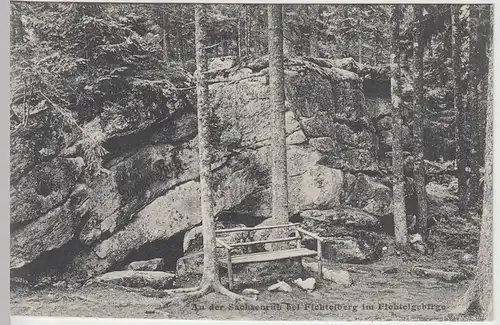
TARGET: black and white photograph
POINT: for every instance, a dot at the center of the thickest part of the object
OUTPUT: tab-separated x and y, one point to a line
251	161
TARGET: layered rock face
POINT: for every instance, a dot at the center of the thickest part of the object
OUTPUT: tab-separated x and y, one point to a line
149	191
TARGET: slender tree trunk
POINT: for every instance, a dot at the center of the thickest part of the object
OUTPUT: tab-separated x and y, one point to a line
210	269
313	39
288	48
238	41
258	32
399	209
473	108
459	110
482	98
481	289
277	106
223	45
165	36
360	40
210	280
178	35
248	30
418	125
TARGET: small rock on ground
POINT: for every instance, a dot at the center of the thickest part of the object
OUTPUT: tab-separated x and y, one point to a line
155	264
337	276
280	286
307	284
249	291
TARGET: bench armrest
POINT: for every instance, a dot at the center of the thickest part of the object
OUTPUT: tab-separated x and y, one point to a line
310	234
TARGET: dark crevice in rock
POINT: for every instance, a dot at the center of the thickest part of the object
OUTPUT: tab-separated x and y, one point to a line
169	249
51	263
126	146
377	88
19	225
387	224
296	218
242	218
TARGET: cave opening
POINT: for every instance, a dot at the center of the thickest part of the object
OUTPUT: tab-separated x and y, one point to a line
51	263
169	249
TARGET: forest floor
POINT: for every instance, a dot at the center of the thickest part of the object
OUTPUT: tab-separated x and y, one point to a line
373	285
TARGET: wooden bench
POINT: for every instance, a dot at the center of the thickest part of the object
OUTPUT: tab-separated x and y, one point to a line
298	251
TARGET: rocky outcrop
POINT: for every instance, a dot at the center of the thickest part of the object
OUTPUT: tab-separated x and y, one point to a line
148	190
152	279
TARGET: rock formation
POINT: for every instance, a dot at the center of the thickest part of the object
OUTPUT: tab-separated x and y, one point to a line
148	191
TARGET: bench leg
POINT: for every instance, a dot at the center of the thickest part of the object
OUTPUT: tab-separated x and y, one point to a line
320	259
229	271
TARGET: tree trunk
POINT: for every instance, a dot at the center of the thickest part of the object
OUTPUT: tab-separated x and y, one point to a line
277	106
288	48
480	291
473	108
482	99
418	125
239	35
223	45
165	36
210	269
210	280
399	209
313	39
258	32
459	110
248	26
178	35
360	39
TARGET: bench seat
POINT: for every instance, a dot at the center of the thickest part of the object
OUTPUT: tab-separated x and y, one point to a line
271	256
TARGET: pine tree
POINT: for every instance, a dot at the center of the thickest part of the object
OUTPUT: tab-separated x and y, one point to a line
418	124
459	109
277	106
210	279
165	33
473	108
288	46
399	209
480	290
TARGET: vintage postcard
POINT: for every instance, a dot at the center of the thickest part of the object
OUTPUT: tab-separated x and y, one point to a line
268	161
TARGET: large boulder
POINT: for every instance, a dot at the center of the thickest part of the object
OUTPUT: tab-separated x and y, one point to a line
140	279
362	247
190	264
49	232
371	196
